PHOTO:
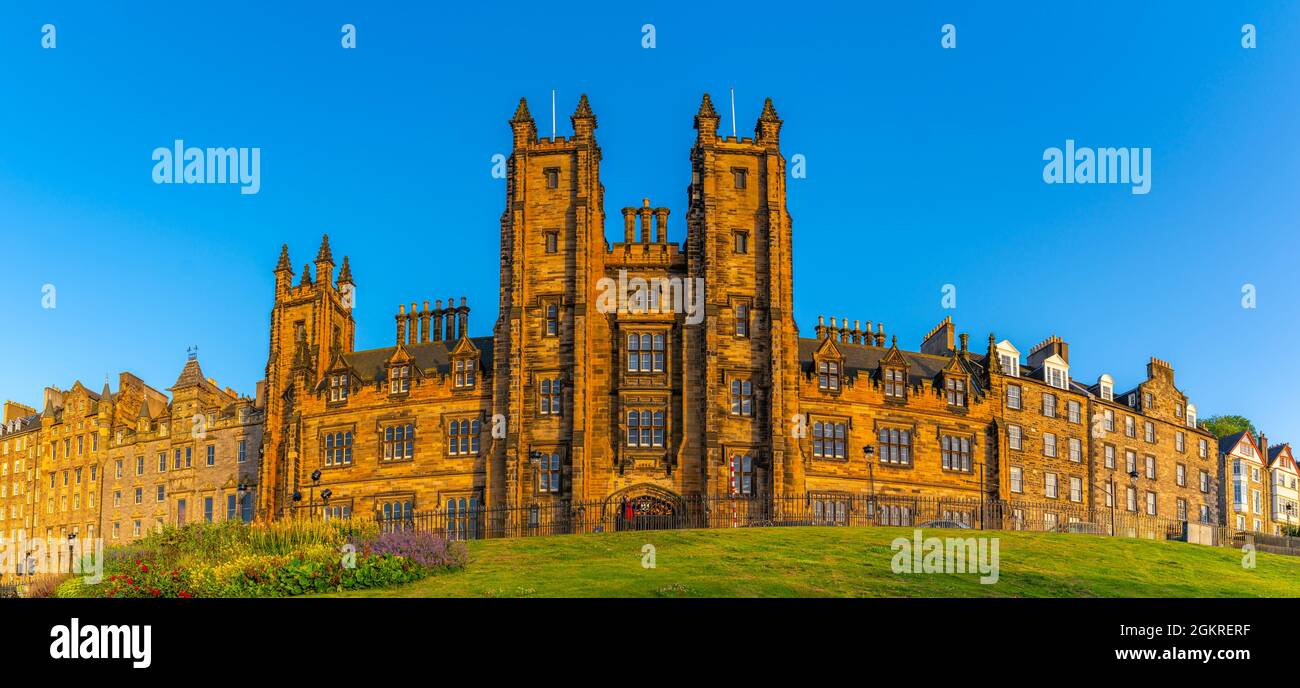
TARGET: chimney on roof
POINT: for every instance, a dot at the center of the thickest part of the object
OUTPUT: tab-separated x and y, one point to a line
661	225
940	340
451	319
401	324
646	213
965	339
1263	447
629	225
1052	346
437	320
463	313
821	327
424	323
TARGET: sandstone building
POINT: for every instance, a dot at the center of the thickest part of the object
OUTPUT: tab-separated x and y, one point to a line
590	390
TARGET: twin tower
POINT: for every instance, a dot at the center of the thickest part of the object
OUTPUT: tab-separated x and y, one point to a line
718	394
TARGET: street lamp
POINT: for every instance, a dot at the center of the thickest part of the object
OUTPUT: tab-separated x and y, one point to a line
311	493
72	539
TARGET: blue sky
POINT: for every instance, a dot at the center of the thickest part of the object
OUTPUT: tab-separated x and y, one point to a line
924	169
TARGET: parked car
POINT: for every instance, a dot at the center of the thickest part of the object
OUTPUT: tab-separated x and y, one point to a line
942	523
1081	527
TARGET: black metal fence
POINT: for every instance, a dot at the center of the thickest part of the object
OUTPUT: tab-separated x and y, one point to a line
653	513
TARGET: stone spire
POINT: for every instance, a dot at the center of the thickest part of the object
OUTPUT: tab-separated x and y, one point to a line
584	122
523	126
706	120
283	265
345	272
324	254
306	276
768	128
993	362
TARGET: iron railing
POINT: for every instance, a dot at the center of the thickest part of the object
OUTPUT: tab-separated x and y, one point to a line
564	517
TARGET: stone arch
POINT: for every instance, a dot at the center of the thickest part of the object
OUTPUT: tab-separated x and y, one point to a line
652	507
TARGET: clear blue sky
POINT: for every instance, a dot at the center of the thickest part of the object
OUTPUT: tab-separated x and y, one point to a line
924	169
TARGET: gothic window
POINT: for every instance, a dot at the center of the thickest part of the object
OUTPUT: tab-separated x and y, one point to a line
956	389
399	379
548	400
828	375
829	440
895	383
399	442
552	319
645	428
742	398
955	453
548	473
339	387
338	448
463	437
464	372
742	474
896	446
742	320
645	352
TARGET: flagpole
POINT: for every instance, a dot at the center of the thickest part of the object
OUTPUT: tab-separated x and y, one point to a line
552	114
733	111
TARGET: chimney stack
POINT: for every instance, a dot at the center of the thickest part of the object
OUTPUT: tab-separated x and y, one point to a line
401	324
645	220
629	225
661	225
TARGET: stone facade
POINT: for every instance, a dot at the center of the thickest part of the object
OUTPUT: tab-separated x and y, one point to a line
588	389
119	465
641	369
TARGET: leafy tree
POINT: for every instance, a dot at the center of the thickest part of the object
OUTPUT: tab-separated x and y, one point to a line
1222	426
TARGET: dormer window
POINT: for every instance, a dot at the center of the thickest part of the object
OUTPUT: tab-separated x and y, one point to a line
828	376
1106	387
1010	365
955	388
1056	377
464	376
1191	416
399	379
338	389
895	383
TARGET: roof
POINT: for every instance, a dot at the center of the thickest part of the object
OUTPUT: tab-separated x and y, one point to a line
20	425
862	357
371	364
1227	444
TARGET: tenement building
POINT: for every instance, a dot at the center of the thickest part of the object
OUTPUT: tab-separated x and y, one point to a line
119	465
651	370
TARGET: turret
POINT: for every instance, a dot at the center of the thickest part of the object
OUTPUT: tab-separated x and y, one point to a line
523	126
325	263
706	120
283	271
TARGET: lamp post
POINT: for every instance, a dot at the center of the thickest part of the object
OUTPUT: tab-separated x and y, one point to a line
311	493
869	451
72	539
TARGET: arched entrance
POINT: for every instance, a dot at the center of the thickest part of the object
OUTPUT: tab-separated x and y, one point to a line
646	507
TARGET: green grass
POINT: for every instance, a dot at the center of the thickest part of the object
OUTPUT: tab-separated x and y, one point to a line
845	562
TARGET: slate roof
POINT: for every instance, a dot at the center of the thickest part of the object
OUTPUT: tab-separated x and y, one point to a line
1226	444
371	364
23	424
866	359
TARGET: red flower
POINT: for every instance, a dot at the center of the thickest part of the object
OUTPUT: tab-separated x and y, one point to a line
184	594
144	568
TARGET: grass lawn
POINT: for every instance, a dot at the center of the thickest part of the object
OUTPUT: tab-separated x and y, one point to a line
845	562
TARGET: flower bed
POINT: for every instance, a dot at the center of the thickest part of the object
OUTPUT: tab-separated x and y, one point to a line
268	560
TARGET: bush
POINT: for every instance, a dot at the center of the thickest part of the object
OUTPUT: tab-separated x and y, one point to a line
428	549
44	585
268	560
